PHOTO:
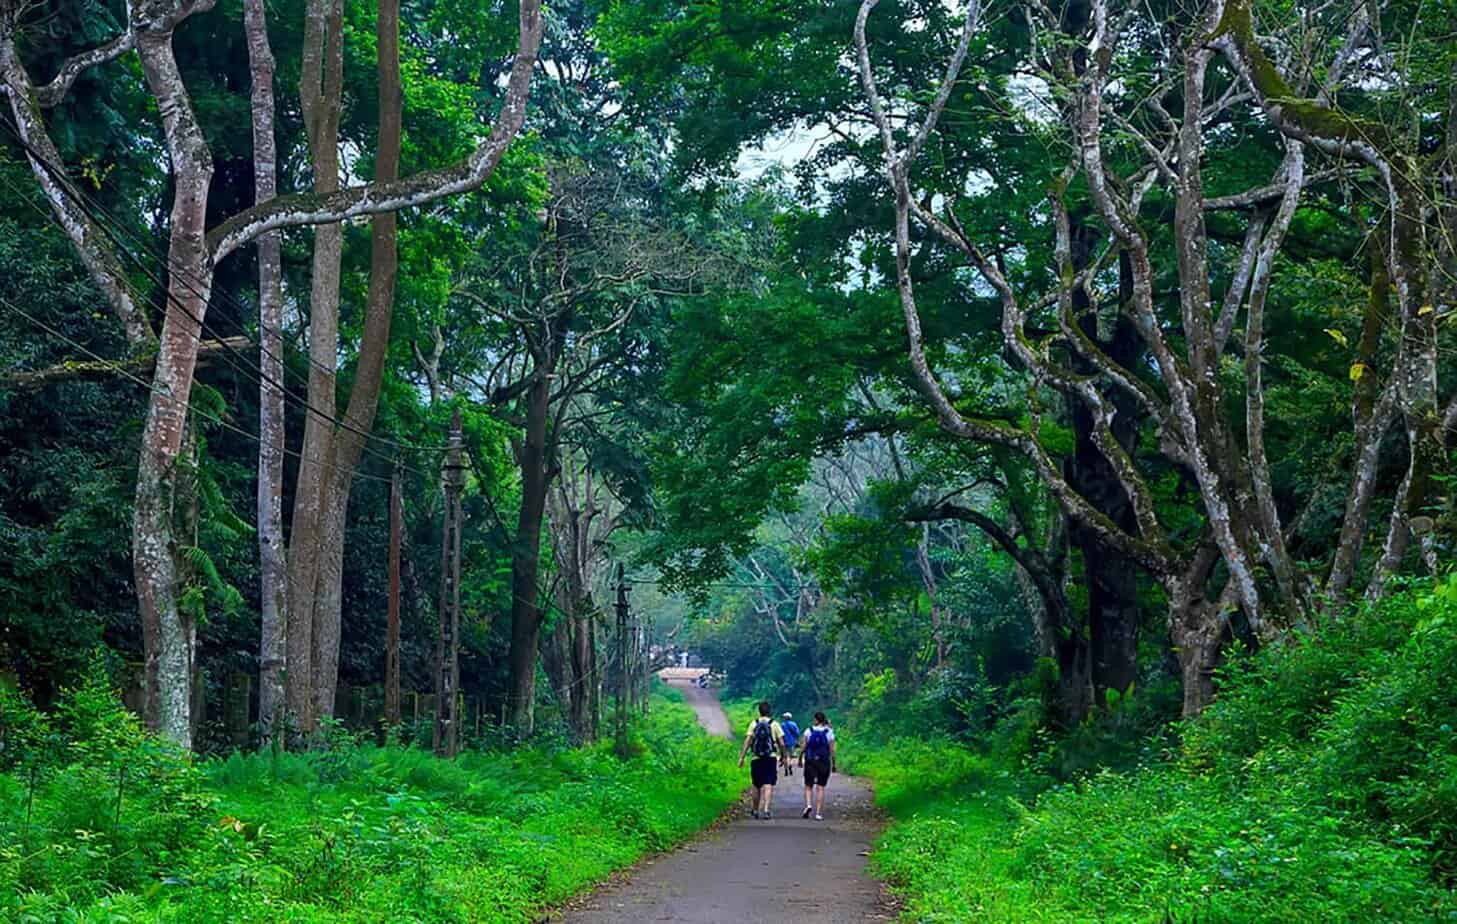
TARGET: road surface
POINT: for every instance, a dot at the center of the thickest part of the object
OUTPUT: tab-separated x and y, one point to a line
753	872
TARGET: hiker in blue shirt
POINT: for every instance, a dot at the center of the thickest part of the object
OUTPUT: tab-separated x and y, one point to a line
791	738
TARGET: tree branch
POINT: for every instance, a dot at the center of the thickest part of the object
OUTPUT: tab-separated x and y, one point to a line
419	189
92	370
50	95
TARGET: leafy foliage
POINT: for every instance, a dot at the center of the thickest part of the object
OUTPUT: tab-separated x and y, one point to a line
1319	787
115	825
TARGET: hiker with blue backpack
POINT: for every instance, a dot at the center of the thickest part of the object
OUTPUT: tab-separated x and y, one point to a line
818	760
766	739
791	740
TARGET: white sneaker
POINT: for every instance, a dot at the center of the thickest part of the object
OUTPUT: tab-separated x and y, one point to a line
819	817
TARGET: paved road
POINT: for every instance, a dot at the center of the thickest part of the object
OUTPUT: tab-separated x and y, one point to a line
705	703
755	872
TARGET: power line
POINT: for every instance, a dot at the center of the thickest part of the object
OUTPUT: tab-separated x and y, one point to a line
113	228
709	584
126	373
544	598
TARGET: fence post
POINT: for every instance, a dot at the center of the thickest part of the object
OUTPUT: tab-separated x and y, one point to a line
392	627
624	672
236	698
447	650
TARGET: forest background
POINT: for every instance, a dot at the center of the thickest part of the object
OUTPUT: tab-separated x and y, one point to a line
1064	388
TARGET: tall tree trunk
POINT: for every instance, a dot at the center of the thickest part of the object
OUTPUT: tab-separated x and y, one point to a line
1417	376
526	554
1372	411
369	370
584	670
928	583
588	661
273	569
320	85
1198	628
1113	618
447	648
169	633
578	524
556	660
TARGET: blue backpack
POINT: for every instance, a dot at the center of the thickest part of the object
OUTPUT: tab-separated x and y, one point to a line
817	745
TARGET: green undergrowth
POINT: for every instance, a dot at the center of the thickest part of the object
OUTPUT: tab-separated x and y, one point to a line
99	822
1321	787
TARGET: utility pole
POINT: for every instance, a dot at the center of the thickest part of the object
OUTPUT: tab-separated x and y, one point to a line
392	631
447	644
624	674
647	661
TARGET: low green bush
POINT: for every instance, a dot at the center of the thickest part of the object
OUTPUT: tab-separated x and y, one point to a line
113	827
1321	787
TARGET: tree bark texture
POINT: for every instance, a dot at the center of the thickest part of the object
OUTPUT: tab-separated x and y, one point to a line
320	85
154	544
533	457
1113	618
580	523
273	568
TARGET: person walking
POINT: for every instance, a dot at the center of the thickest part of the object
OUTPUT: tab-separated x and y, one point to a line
791	739
766	739
817	757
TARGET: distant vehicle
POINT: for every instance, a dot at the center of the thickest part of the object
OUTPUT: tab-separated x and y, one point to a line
708	679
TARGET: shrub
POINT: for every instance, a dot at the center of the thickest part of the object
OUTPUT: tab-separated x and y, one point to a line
350	833
1321	786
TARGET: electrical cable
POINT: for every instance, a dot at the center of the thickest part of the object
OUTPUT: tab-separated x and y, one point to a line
250	371
113	228
122	371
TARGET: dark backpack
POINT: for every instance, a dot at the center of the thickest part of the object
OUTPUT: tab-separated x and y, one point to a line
762	744
817	745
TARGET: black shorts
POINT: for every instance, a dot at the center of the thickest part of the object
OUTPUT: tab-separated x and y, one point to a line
764	771
816	773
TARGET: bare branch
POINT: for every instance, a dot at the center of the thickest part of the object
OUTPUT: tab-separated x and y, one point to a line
137	366
1234	297
419	189
52	93
1266	195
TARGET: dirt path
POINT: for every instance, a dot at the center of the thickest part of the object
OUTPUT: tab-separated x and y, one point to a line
755	871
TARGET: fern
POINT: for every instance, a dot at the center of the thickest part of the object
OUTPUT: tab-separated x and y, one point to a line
211	581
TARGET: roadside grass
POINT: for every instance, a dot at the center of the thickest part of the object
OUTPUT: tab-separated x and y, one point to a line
1321	787
117	829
